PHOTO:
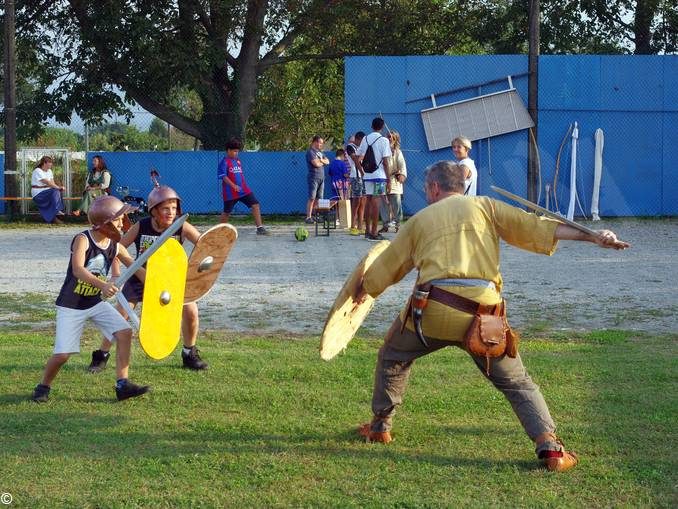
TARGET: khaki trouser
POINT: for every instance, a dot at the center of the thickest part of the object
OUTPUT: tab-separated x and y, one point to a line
508	375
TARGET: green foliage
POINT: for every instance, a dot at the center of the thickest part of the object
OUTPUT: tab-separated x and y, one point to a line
111	137
297	101
272	70
57	137
270	425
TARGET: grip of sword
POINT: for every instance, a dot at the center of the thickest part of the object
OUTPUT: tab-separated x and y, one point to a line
128	309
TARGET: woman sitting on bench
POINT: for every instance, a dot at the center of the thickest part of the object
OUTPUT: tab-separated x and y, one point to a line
46	193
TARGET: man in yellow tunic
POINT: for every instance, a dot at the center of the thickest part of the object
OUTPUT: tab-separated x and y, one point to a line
454	245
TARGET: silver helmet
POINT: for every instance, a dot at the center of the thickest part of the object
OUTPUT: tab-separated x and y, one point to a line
106	209
161	194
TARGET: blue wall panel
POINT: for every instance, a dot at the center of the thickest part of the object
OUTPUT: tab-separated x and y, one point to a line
632	83
630	97
2	183
634	99
670	160
670	77
278	179
569	83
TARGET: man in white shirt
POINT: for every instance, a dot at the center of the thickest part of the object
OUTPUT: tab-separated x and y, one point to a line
377	183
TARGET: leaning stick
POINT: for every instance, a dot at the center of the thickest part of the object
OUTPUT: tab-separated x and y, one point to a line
544	211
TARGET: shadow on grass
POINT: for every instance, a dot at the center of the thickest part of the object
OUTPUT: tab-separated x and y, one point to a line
52	432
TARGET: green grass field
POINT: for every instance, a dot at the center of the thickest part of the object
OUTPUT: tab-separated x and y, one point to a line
271	425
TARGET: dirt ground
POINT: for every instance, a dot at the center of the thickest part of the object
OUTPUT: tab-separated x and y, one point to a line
275	283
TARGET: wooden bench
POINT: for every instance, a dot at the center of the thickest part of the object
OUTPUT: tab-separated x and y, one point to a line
22	198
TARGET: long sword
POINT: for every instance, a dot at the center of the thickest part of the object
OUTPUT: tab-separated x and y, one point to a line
544	211
139	262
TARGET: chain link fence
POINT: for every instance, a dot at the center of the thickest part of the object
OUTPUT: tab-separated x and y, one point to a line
638	119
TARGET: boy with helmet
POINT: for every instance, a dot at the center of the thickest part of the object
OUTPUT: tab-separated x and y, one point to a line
92	254
164	205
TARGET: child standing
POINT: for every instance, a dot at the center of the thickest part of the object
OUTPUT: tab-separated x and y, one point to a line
340	174
164	205
234	188
92	254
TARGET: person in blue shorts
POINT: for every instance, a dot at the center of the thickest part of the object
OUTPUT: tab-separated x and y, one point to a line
315	162
234	188
340	174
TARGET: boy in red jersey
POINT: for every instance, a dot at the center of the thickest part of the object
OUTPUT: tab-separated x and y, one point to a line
234	187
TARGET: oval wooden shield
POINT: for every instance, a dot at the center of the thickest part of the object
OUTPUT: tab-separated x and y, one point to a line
161	312
345	318
207	259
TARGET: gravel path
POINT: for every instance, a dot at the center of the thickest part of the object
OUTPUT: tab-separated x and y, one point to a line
278	284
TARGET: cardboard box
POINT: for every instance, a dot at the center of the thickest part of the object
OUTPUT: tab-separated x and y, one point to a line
344	213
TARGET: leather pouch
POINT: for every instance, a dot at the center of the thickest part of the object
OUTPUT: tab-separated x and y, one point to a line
490	336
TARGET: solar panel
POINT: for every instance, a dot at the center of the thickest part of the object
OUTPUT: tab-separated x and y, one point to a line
476	118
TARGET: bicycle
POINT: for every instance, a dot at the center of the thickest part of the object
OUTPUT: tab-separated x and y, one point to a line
139	202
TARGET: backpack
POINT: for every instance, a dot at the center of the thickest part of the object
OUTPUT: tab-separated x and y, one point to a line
369	162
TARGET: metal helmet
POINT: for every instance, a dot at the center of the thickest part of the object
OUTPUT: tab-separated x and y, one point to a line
106	209
161	194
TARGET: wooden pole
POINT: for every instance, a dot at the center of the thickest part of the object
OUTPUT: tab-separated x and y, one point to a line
532	101
9	64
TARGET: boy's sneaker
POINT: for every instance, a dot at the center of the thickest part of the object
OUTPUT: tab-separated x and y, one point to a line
192	359
384	229
41	393
354	231
99	360
375	238
309	220
262	231
130	390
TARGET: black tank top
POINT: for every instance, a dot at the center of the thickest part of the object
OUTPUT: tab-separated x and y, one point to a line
76	294
148	235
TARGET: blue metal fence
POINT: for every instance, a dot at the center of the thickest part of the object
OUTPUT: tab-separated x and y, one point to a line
2	183
278	179
633	99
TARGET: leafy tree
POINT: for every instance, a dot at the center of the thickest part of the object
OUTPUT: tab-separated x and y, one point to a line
297	101
218	51
582	26
207	68
57	137
118	136
647	26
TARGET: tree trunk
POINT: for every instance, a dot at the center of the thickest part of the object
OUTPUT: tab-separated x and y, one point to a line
217	128
642	26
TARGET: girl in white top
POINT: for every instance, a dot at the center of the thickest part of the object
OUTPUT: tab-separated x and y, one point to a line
392	210
45	192
461	146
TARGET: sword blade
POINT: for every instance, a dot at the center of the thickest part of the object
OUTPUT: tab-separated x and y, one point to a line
131	314
139	262
544	211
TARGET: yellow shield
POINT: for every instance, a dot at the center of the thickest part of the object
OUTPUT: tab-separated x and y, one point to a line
163	300
345	317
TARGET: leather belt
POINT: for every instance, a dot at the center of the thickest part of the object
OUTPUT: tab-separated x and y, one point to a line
421	295
460	303
39	187
480	283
